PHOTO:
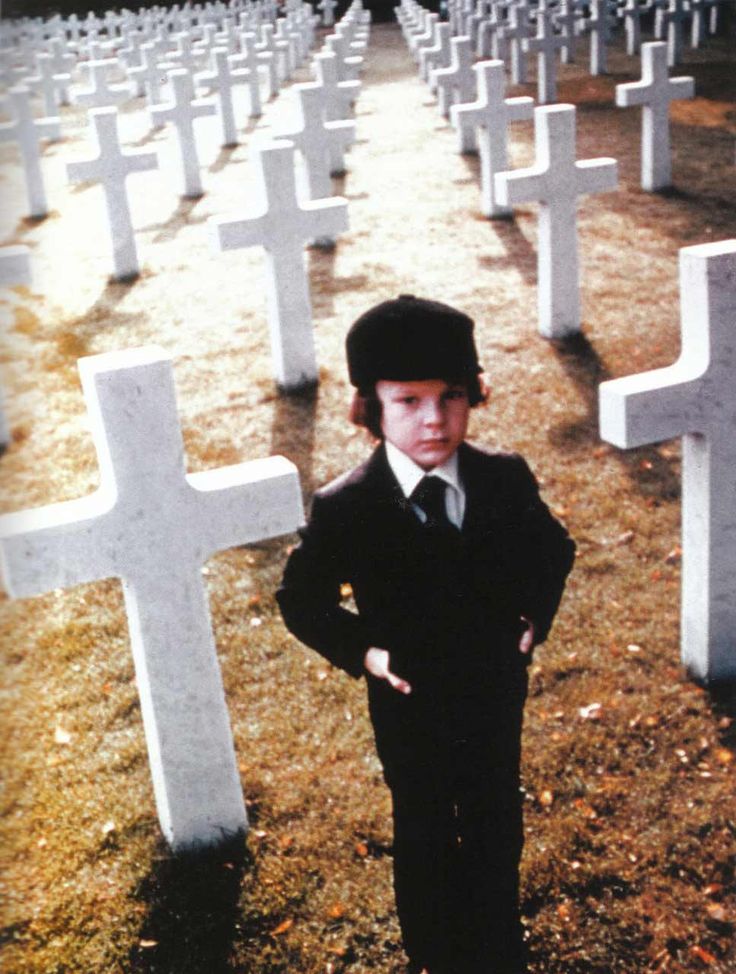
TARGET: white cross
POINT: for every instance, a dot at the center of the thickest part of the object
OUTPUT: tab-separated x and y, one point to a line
149	73
247	60
597	24
224	79
101	94
181	112
546	44
673	19
456	83
696	398
327	7
27	131
111	167
268	55
631	14
349	65
282	225
490	116
320	143
46	82
517	33
153	526
566	20
435	57
340	96
556	181
654	93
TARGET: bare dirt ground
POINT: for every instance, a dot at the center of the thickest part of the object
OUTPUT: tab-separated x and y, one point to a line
631	819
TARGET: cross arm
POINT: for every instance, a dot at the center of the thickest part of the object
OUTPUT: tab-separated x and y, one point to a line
232	234
596	175
247	502
633	93
56	546
521	186
519	109
140	161
649	407
325	217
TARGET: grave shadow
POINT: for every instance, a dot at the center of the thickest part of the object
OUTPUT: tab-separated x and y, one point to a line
193	910
652	472
181	217
74	337
723	701
292	433
225	155
520	254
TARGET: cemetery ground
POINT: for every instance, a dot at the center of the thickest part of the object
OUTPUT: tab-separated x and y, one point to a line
628	766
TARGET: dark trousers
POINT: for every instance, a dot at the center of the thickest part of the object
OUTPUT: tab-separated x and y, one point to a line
458	836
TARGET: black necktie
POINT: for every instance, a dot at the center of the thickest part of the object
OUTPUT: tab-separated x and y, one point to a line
429	494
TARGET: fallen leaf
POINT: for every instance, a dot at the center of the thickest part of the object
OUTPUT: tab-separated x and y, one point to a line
256	622
704	955
713	889
62	736
337	911
564	913
626	538
546	798
723	756
346	590
633	648
108	827
286	842
282	928
148	943
362	849
674	556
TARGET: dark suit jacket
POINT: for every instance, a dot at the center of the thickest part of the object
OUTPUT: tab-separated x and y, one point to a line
446	607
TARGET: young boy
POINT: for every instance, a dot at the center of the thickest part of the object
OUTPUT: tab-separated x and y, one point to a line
457	568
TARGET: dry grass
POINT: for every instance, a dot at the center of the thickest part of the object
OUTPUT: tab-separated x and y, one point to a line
631	820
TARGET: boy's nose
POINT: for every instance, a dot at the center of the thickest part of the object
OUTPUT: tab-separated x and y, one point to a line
432	413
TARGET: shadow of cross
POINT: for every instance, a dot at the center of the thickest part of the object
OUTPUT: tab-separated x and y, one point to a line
696	398
153	525
282	224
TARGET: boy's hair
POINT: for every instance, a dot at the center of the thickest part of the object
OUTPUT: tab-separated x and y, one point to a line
366	409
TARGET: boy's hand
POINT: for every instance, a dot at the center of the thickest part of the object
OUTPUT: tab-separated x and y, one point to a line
378	663
527	637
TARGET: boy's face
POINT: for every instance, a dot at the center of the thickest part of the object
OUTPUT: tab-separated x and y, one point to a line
426	420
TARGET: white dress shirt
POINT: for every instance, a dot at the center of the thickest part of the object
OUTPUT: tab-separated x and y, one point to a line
409	474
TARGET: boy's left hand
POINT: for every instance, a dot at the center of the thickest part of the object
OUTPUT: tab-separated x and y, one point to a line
527	637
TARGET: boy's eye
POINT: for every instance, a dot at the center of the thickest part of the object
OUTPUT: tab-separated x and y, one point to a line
455	394
408	400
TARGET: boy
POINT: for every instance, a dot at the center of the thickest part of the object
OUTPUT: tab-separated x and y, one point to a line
457	568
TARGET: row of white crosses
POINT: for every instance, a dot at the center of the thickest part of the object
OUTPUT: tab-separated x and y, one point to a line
557	179
153	525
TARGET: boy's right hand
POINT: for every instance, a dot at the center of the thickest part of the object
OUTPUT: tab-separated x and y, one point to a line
378	663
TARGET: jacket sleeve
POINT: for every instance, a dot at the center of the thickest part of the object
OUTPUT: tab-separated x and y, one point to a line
309	596
549	553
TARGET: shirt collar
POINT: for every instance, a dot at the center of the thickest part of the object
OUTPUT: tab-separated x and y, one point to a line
409	473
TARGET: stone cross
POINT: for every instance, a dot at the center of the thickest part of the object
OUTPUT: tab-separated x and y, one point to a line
456	83
340	96
181	112
597	24
673	18
436	56
654	93
28	131
517	33
149	73
268	56
696	399
101	94
566	21
327	8
631	14
224	79
320	143
556	181
490	115
248	61
46	83
282	225
153	526
111	167
545	45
